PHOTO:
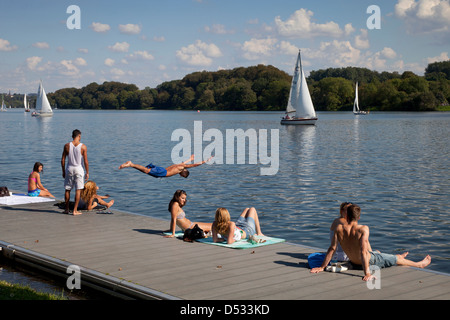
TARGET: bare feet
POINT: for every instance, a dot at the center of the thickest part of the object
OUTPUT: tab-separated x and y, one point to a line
77	213
425	262
109	204
126	165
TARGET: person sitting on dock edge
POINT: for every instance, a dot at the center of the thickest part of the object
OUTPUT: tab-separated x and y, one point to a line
354	239
35	187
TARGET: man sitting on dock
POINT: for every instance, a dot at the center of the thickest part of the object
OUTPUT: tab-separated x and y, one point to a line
354	240
161	172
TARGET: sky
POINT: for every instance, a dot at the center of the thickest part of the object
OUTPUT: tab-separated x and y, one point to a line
149	42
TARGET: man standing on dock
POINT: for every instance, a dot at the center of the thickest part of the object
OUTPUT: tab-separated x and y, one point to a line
73	174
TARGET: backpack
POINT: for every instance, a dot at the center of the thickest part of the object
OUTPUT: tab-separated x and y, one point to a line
192	234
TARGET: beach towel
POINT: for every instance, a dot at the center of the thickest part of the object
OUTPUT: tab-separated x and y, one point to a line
243	244
21	198
178	234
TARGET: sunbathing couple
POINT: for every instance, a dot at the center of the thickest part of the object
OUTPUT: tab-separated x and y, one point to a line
246	226
354	240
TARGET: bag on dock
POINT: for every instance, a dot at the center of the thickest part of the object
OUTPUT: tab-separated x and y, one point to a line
4	192
193	234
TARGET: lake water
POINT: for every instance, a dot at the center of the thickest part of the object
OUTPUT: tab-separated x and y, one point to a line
394	165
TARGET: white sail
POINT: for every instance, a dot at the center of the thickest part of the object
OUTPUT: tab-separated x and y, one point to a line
42	104
295	88
300	108
25	102
356	102
305	107
3	108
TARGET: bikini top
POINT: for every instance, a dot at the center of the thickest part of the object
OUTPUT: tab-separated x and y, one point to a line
181	215
30	178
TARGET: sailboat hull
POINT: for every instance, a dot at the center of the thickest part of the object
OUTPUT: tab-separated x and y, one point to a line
299	121
46	114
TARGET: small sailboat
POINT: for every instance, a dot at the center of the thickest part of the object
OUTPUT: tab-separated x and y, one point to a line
43	107
356	103
300	109
26	105
3	107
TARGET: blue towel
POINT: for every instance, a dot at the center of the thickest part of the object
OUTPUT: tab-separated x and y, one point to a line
315	259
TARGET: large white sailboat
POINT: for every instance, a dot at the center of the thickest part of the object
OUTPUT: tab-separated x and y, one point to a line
43	107
300	109
356	103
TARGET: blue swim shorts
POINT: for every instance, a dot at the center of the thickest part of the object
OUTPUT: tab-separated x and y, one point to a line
246	224
382	260
34	193
157	172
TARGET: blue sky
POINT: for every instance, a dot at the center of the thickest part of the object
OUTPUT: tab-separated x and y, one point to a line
149	42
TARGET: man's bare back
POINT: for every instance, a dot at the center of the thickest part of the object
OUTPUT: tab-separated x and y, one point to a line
351	238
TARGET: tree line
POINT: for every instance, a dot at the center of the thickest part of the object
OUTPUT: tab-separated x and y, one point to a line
267	88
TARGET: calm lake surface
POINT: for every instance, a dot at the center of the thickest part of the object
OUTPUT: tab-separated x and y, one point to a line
395	166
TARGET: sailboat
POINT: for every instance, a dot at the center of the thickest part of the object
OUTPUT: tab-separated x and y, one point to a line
27	106
3	107
356	103
43	107
300	109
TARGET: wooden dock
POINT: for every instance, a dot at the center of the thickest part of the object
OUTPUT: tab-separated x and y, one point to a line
125	254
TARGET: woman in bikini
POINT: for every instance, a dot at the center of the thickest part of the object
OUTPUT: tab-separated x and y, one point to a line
35	187
178	216
246	226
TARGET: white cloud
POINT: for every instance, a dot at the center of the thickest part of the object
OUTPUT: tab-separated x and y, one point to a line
119	47
68	68
199	53
255	49
218	29
362	40
141	55
100	27
32	62
80	62
388	53
442	57
6	46
129	28
424	16
348	28
41	45
288	48
117	72
109	62
159	39
299	25
83	50
340	53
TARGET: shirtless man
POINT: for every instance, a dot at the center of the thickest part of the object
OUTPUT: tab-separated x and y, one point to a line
160	172
354	239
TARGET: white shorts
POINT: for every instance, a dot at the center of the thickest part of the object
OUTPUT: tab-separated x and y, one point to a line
74	178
